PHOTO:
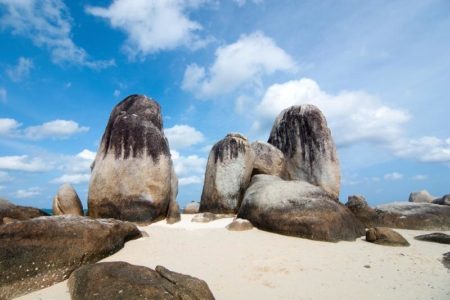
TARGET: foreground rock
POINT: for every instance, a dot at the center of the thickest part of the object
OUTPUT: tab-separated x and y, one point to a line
403	215
132	172
297	208
445	200
173	214
228	173
268	159
10	211
208	217
436	237
40	252
240	225
385	236
446	260
192	208
302	134
422	196
120	280
67	202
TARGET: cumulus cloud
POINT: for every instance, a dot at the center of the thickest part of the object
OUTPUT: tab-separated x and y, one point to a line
72	178
190	180
153	25
28	193
244	62
21	70
23	163
3	95
426	149
393	176
183	136
354	116
189	169
8	126
47	23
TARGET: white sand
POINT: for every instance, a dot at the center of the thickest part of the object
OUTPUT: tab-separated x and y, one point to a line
261	265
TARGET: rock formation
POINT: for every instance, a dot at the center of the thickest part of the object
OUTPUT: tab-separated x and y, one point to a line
132	176
192	208
173	213
301	133
444	200
121	280
11	211
435	237
228	173
239	225
67	202
422	196
43	251
268	159
297	208
385	236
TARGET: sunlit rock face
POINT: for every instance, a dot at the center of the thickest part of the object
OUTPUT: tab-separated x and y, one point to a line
67	202
132	175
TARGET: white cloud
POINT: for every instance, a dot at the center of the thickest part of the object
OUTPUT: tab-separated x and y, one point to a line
24	163
48	24
28	193
54	129
393	176
183	136
243	2
21	70
353	116
153	25
87	155
241	63
3	95
425	149
72	178
189	169
190	180
419	177
8	126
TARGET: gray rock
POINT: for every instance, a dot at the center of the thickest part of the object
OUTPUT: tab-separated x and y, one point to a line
240	225
121	280
444	200
268	159
173	214
228	173
297	208
10	211
422	196
385	236
42	251
302	134
132	175
192	208
204	217
436	237
67	202
446	260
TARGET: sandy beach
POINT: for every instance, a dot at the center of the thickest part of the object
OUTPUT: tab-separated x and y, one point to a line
260	265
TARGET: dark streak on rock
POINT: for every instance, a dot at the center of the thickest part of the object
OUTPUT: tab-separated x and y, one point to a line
228	148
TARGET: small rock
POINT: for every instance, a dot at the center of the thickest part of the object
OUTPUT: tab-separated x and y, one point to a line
446	260
204	217
385	236
239	225
192	208
436	237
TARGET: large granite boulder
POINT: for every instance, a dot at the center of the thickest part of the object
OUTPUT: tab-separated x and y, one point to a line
435	237
297	208
67	202
302	134
40	252
403	215
228	173
422	196
132	177
121	280
9	211
444	200
192	208
268	159
385	236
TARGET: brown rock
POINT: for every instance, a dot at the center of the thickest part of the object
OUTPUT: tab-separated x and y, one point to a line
268	159
43	251
120	280
192	208
11	211
67	202
173	214
422	196
240	225
385	236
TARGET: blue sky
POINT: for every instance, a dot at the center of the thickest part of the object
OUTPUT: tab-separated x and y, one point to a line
379	70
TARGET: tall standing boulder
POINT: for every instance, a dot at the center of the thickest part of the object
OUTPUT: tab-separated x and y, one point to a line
132	176
268	159
67	202
228	173
302	134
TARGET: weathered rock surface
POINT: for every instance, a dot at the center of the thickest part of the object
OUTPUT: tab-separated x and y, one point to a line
40	252
404	215
436	237
192	208
228	173
239	225
268	159
446	260
208	217
9	210
297	208
67	202
444	200
422	196
132	172
385	236
173	214
121	280
302	134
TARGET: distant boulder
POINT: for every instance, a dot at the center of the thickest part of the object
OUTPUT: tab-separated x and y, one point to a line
11	211
67	202
121	280
302	134
192	208
444	200
422	196
228	173
435	237
268	159
132	177
385	236
297	208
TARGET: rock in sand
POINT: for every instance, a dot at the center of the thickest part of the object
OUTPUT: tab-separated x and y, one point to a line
67	202
385	236
436	237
